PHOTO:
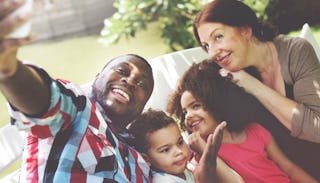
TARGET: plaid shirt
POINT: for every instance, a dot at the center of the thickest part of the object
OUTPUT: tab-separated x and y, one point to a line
72	142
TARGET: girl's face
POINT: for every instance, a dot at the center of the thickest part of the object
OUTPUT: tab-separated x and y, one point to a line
168	151
225	44
197	118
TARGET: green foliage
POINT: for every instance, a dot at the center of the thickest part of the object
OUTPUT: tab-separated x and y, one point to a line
174	18
258	6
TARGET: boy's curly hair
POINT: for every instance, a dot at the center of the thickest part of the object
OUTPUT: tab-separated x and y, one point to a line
147	123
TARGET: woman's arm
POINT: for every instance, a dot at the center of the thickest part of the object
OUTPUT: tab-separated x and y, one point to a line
301	115
279	105
295	173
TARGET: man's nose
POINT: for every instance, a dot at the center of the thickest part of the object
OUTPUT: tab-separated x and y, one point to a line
130	80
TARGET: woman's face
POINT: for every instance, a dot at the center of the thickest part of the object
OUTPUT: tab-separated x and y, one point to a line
197	118
227	45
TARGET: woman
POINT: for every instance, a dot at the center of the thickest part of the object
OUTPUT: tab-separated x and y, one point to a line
290	73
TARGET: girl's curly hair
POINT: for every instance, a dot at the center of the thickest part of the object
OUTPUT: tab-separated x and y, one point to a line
224	100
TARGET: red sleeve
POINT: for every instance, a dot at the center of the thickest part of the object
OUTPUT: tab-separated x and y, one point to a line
260	132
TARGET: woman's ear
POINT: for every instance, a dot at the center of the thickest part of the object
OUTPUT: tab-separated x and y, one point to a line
246	31
146	158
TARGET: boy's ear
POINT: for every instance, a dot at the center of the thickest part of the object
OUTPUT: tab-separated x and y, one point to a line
146	158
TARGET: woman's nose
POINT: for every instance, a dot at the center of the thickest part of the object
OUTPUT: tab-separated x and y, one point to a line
214	51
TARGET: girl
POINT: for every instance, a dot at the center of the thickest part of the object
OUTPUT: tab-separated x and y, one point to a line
246	147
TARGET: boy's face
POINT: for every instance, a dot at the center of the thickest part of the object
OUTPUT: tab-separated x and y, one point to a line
168	152
197	118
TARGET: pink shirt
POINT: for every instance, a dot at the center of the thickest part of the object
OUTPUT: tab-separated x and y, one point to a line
250	158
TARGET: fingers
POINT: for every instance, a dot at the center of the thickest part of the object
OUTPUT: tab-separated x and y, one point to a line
224	72
213	144
196	143
9	21
8	6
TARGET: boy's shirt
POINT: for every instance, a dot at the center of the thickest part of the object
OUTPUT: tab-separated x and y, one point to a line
161	177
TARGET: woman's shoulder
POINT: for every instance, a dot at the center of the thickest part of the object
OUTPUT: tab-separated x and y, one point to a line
285	42
294	53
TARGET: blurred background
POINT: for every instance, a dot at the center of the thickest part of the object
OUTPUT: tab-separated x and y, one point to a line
75	38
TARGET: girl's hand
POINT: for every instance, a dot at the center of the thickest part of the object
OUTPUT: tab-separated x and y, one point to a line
206	171
196	143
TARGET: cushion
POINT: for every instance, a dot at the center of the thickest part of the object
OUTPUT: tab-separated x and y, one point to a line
308	35
167	69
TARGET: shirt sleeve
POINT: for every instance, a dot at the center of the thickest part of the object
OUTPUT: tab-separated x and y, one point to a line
305	71
64	105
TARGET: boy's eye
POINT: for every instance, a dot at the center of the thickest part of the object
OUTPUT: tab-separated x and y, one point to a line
165	150
181	142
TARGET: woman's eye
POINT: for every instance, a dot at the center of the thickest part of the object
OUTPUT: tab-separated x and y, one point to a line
218	37
205	46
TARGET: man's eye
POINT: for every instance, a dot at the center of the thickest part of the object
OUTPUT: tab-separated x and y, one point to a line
121	71
141	84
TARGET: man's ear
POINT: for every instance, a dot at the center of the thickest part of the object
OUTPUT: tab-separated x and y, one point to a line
146	158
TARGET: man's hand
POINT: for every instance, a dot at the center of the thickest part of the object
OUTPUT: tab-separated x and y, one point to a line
8	20
9	47
206	170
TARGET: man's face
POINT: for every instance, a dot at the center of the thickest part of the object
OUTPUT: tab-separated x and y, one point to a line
123	88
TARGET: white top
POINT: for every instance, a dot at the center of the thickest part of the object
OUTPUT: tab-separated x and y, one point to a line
161	177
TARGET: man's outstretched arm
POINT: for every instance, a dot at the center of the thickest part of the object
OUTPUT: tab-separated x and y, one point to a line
21	85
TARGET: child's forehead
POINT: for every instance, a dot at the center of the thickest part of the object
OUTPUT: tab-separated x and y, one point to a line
170	132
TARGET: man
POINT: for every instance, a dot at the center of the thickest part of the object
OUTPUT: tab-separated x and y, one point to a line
74	137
